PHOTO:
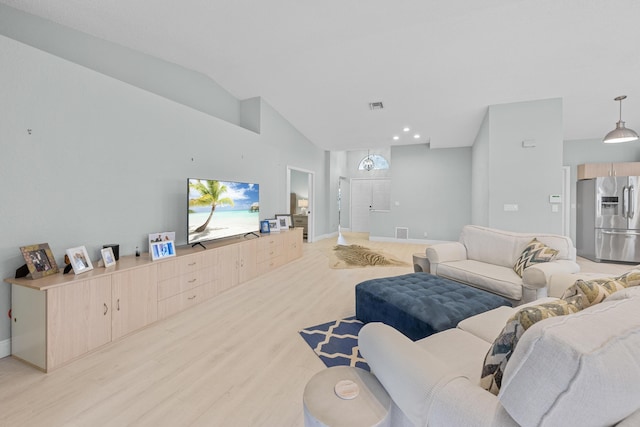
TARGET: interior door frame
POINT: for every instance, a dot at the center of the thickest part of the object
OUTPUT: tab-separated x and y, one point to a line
311	209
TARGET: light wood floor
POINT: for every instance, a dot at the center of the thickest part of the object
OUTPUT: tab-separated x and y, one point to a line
236	360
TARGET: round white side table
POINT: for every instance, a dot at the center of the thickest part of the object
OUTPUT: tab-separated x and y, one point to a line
323	407
421	263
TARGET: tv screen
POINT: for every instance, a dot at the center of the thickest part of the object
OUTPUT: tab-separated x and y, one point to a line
219	209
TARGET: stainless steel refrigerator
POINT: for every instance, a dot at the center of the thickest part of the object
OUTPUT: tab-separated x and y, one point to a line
608	219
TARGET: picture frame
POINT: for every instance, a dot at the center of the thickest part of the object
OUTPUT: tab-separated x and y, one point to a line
264	227
274	225
39	260
161	250
108	257
79	259
284	221
162	236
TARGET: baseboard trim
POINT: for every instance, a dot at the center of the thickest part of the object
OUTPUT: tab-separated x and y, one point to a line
5	348
394	240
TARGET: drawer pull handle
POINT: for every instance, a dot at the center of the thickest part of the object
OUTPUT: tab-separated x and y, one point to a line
193	263
118	304
191	281
106	309
193	297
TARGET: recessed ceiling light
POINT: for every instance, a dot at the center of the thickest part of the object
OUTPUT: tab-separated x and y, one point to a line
406	130
396	137
416	136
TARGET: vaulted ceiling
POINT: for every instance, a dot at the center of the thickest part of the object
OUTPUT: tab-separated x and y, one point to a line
434	64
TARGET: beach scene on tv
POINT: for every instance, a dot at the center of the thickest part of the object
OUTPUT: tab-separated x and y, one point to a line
219	209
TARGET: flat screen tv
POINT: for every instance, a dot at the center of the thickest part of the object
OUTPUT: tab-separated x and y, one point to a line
220	209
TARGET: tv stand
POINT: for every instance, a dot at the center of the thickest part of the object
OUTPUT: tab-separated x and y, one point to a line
199	243
252	232
58	318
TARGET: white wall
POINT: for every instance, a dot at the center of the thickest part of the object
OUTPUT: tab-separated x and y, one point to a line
480	171
524	176
430	192
107	162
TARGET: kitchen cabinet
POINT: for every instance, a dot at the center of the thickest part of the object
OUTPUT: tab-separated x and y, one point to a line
595	170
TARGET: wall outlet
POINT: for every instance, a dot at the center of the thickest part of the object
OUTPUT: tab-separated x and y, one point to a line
510	208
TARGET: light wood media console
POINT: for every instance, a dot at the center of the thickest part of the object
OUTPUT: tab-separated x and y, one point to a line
59	318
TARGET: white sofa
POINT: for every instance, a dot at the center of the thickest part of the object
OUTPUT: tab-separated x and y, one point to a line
484	258
581	369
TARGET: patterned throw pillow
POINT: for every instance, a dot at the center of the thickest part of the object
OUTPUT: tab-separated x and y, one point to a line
535	253
593	291
502	348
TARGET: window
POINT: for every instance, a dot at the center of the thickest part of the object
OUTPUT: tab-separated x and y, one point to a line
379	162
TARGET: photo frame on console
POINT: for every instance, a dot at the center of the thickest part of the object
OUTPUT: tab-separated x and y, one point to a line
160	250
264	227
108	258
79	259
39	260
274	225
284	221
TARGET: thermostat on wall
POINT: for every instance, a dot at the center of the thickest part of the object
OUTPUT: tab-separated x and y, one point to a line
555	198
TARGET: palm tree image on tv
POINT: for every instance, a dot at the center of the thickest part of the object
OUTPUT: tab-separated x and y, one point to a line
219	209
210	195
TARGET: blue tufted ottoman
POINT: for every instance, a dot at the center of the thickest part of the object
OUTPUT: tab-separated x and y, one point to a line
421	304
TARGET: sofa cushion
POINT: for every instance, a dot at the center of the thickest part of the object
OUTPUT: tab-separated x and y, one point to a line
488	325
502	348
535	252
588	360
490	246
490	277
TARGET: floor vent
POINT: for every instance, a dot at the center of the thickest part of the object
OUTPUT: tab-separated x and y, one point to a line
402	233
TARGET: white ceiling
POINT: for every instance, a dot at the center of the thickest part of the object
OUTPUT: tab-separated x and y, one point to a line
435	64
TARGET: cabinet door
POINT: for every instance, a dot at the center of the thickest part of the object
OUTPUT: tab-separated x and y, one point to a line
229	262
594	170
247	261
78	319
294	244
135	300
626	169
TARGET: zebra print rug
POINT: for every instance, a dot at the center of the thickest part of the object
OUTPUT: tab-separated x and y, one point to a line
355	256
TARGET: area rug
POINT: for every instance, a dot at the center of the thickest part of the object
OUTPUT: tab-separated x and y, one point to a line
356	256
336	343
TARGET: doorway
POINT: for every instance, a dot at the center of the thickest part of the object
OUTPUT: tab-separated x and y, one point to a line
300	194
368	195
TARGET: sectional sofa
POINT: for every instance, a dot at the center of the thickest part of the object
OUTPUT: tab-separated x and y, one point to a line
576	369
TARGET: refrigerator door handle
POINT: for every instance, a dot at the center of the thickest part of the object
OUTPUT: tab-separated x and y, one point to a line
622	233
632	197
625	204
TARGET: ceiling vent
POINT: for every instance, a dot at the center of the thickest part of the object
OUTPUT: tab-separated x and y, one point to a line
376	105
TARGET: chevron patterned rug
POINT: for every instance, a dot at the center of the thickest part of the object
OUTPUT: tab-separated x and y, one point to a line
336	343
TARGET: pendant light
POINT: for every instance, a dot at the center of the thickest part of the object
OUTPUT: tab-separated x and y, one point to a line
620	133
367	164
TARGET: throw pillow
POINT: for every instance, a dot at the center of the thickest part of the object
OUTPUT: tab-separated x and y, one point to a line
630	278
503	347
534	253
592	292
